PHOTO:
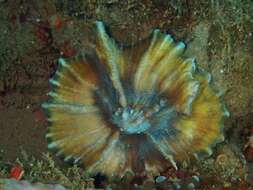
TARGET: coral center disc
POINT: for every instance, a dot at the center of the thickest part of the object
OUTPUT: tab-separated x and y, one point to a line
131	120
145	112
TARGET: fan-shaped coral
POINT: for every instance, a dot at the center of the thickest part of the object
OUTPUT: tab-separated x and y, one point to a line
139	108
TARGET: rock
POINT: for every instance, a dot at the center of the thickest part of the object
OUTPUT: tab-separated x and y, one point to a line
160	179
10	184
2	86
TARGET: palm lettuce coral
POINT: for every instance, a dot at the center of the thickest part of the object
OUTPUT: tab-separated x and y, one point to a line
138	108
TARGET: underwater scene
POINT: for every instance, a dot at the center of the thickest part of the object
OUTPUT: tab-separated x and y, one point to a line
126	95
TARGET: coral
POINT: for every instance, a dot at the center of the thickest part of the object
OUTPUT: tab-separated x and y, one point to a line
140	108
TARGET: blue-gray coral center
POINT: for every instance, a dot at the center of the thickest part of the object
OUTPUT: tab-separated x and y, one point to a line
143	115
131	120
